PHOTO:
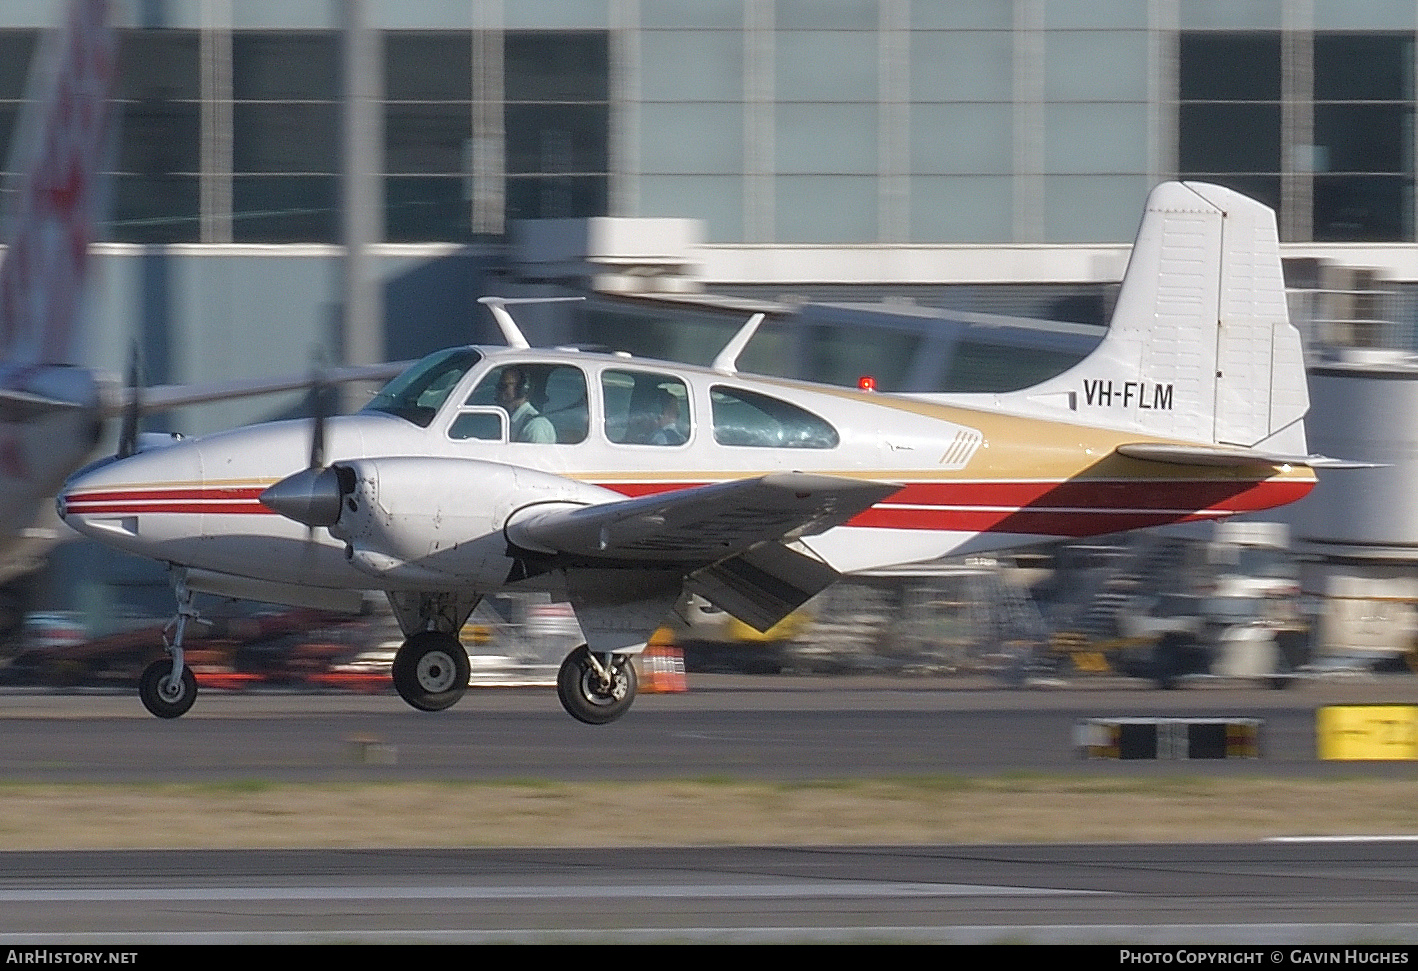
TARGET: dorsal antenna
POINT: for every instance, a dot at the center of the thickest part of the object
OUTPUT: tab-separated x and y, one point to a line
510	331
727	360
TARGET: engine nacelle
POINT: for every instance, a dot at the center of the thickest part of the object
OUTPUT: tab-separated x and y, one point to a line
431	523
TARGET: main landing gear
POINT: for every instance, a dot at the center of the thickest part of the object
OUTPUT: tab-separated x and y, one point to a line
595	688
431	670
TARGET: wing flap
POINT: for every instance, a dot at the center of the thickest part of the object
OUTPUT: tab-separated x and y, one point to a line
698	525
1211	455
763	585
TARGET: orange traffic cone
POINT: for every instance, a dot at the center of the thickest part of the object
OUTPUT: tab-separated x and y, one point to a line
662	668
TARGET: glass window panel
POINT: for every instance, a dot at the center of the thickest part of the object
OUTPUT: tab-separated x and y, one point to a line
559	14
1369	15
716	200
16	49
9	116
961	209
158	63
1087	138
1093	208
976	15
1231	14
285	137
422	208
1363	67
546	66
691	138
826	208
1229	138
823	65
962	66
1363	208
1365	137
701	65
557	138
285	65
825	14
428	66
1230	67
1096	66
285	208
962	139
427	138
758	421
826	138
556	394
1098	14
160	137
723	14
148	209
645	408
557	197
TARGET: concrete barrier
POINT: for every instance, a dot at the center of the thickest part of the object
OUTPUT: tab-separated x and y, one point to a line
1168	738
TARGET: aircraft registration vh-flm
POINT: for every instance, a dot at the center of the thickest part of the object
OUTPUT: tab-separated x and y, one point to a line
615	483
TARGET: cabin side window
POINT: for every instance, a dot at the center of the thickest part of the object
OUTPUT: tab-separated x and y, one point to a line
759	421
645	408
544	403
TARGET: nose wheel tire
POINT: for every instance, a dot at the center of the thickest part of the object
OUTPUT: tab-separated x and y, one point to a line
431	671
596	694
163	695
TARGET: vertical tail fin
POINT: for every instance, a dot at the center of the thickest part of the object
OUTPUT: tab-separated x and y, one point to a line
1200	346
55	187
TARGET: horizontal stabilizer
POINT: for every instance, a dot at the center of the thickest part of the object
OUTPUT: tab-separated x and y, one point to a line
762	586
1221	456
698	525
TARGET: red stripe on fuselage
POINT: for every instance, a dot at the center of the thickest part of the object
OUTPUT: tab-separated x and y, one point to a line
1068	508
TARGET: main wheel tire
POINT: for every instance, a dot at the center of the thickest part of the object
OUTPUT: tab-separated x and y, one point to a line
431	671
589	699
161	695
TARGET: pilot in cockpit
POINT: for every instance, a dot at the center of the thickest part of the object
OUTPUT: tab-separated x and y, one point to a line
525	423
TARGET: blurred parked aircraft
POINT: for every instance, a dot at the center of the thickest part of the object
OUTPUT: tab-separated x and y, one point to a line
52	409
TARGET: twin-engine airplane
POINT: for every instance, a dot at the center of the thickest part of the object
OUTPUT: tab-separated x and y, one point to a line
615	483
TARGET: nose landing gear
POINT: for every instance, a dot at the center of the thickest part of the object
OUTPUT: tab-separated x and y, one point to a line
168	688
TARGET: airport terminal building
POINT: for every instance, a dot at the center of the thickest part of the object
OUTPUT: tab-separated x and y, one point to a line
353	174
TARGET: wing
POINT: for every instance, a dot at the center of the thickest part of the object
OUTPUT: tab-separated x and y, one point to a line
698	525
730	537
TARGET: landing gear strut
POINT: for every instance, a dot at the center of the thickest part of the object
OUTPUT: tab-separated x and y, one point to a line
168	688
595	689
431	671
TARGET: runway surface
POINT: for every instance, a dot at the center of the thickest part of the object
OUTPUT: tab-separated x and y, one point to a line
741	727
1260	895
1340	892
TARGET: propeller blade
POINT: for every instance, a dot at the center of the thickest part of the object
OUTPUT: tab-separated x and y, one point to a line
321	391
133	414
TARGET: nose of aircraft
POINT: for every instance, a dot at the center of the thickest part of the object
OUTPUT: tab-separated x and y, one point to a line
112	497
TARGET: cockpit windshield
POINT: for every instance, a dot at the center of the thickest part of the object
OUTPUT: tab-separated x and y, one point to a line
417	394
